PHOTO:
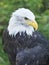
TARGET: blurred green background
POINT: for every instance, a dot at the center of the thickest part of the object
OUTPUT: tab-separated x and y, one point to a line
40	9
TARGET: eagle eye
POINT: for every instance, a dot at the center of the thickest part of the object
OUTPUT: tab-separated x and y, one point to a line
26	18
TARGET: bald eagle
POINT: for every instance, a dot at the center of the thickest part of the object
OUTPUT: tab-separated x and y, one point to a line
22	33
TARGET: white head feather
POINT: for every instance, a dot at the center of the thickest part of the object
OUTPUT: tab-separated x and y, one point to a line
15	23
22	12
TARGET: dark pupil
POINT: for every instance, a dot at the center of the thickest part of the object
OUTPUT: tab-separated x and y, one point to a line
26	18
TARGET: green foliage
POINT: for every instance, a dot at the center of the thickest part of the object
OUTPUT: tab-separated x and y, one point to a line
40	9
3	57
46	4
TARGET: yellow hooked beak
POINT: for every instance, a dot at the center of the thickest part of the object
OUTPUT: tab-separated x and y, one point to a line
33	24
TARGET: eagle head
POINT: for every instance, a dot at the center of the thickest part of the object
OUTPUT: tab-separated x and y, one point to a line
22	20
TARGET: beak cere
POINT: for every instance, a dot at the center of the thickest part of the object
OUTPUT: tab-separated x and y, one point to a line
33	24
